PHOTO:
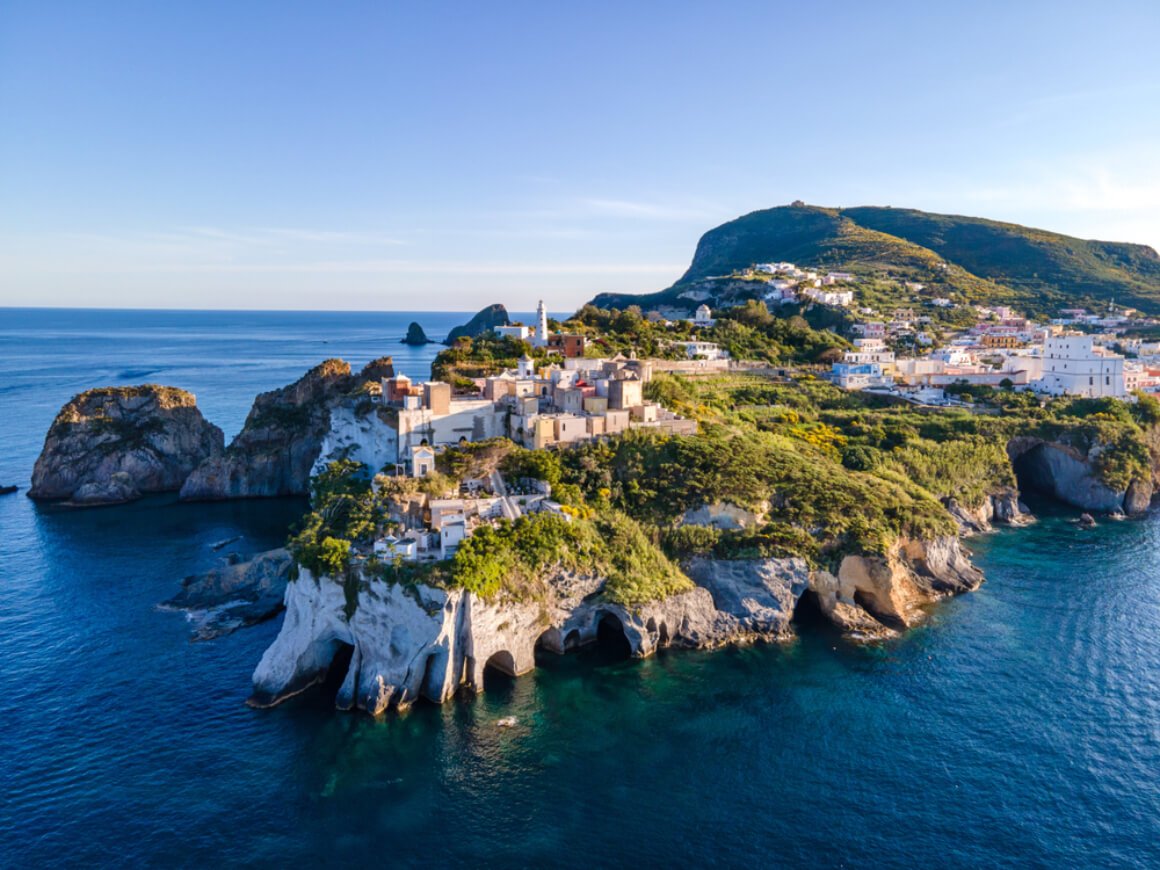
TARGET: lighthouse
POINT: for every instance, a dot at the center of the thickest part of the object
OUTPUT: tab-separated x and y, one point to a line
540	339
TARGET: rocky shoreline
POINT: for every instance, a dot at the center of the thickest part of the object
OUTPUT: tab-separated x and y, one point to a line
411	642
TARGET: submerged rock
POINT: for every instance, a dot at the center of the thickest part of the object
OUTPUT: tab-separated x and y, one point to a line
114	444
236	595
484	321
282	436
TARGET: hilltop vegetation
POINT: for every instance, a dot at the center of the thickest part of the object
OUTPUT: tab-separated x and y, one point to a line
970	259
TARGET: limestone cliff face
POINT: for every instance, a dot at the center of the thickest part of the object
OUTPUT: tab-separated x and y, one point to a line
419	641
1001	507
1068	473
426	642
114	444
359	434
877	596
282	436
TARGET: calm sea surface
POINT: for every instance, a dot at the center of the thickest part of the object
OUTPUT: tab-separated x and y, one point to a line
1020	726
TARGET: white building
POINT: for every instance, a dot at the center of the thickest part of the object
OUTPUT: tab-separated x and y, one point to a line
703	350
1074	366
869	350
833	298
517	331
703	316
540	339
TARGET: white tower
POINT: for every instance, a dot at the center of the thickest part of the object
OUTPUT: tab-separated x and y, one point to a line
541	336
527	367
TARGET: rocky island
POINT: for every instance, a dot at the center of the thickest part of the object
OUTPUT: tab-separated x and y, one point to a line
416	337
115	444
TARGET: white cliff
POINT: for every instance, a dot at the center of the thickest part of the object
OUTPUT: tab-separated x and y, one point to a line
359	435
419	641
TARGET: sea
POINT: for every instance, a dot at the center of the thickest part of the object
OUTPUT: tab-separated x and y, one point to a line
1019	726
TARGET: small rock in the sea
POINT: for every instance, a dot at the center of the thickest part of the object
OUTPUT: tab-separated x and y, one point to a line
8	490
507	722
222	544
1087	521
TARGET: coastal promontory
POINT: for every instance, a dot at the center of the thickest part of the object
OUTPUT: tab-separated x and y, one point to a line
484	321
282	435
115	444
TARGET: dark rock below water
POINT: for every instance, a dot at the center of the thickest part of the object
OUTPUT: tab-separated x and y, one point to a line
114	444
234	595
485	321
416	335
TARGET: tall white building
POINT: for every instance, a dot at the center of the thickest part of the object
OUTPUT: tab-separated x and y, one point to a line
1074	366
540	339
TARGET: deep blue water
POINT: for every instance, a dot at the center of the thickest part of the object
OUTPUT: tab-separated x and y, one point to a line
1020	726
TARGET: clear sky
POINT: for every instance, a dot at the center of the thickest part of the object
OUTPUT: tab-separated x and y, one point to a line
428	155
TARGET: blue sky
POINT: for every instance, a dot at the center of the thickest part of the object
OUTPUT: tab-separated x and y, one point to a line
434	155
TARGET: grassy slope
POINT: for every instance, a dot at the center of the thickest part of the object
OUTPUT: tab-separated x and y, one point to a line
988	261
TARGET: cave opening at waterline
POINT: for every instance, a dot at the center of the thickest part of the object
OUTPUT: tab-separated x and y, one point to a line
336	671
808	610
1033	471
611	642
499	672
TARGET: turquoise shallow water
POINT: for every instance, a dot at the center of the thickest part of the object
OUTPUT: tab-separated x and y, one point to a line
1020	726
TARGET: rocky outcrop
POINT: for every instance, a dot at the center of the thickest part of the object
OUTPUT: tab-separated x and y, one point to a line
416	336
722	515
235	595
1069	472
115	444
1001	507
485	321
283	435
756	596
878	596
420	641
408	642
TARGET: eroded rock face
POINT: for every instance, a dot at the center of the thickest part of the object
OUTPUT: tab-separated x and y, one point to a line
877	596
999	507
114	444
411	642
1069	474
282	436
420	641
759	594
235	595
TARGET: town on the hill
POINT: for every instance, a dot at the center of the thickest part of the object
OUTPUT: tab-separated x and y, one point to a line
562	390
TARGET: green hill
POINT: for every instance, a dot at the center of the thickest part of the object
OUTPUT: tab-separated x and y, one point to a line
970	259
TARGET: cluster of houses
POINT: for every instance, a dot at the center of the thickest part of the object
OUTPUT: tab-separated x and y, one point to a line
789	285
1002	348
537	407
